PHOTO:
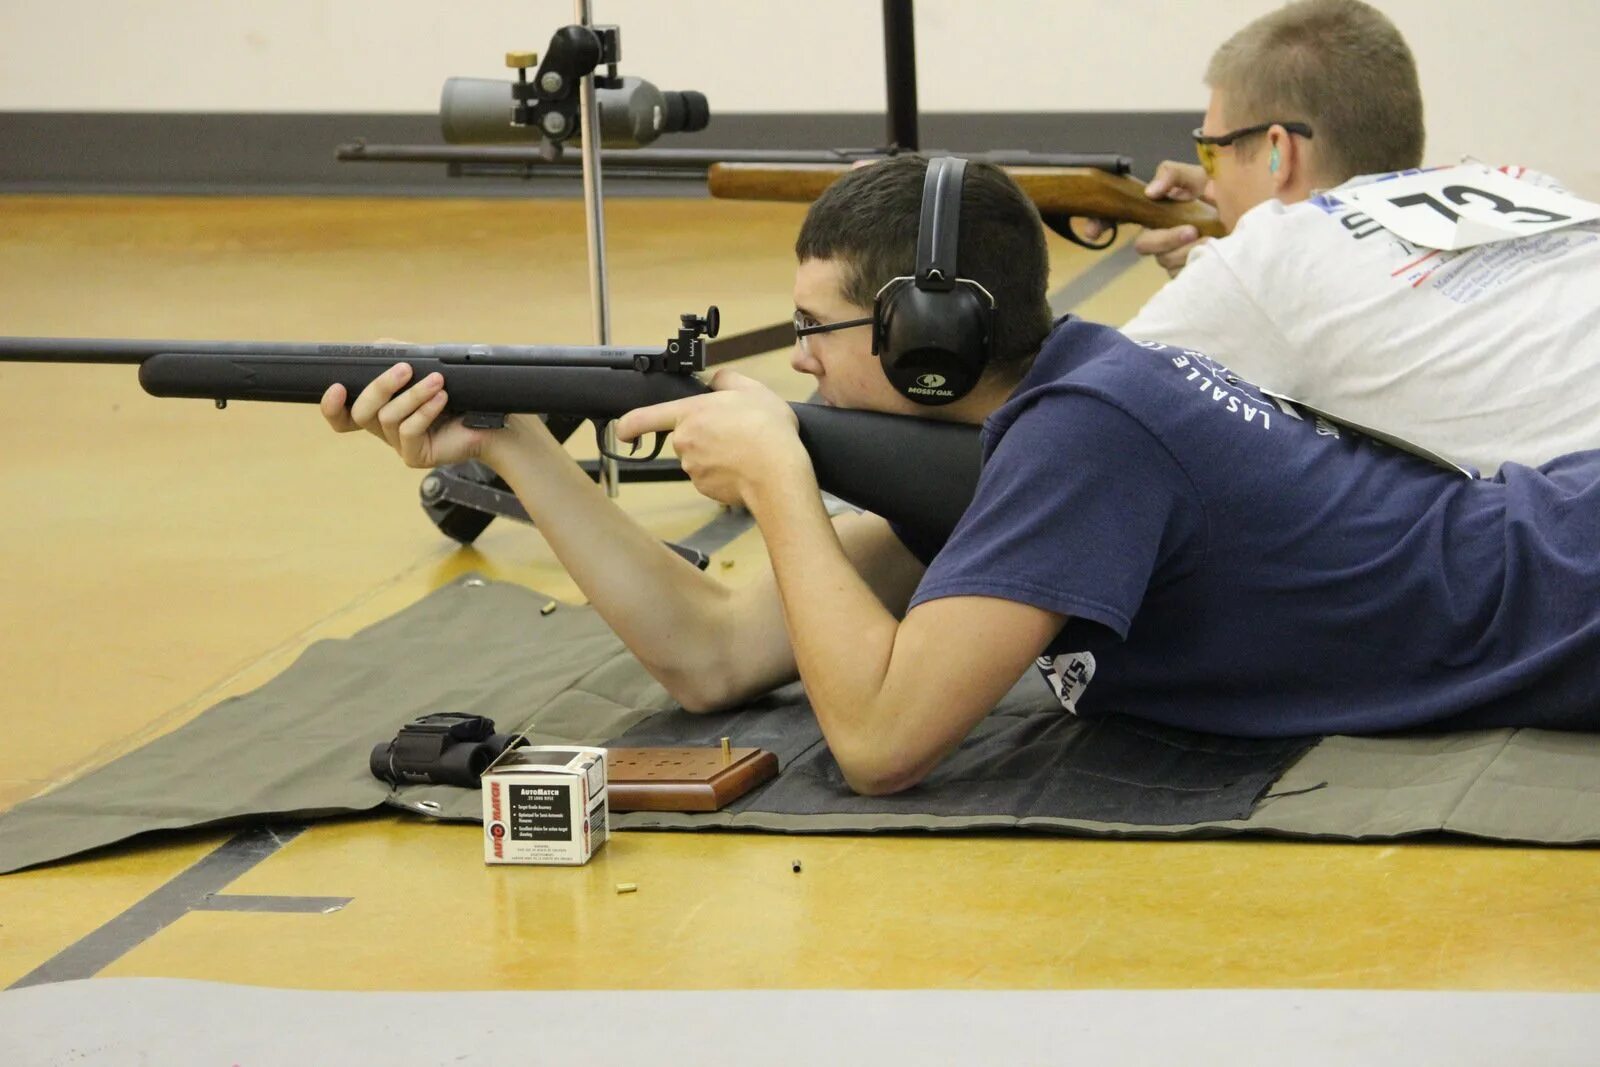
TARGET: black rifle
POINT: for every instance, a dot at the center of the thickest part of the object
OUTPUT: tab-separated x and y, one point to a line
917	472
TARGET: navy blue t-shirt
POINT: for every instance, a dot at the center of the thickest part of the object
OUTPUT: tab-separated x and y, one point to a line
1233	564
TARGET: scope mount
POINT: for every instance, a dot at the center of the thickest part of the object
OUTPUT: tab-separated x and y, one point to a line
548	102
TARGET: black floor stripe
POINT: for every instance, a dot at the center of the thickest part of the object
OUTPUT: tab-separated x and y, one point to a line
195	889
1105	271
720	531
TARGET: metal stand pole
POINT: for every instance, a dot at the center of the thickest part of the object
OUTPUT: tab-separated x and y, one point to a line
900	66
589	131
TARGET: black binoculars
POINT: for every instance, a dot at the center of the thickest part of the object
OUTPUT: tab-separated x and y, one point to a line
445	748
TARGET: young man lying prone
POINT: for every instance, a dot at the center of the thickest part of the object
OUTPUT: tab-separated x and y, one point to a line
1157	535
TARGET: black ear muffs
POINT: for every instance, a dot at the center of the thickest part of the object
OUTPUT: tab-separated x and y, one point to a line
934	331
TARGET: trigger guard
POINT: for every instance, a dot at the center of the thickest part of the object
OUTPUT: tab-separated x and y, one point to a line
1062	225
600	443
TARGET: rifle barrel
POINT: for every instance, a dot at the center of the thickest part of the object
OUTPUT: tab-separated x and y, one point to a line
126	351
73	350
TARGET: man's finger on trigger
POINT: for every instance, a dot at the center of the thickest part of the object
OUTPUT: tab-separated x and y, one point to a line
657	418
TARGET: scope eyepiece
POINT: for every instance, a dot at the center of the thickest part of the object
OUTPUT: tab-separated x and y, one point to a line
685	112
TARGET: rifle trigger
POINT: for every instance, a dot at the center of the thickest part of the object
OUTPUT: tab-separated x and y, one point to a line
633	455
1062	224
484	420
600	442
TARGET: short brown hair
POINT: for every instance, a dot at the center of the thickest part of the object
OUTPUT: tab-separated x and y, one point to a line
1339	66
868	220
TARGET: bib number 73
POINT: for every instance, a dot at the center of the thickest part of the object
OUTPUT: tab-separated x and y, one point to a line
1468	196
1458	207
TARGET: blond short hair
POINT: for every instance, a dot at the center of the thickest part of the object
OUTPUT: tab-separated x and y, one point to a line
1339	66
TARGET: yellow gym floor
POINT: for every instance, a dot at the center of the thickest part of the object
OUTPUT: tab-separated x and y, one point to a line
161	555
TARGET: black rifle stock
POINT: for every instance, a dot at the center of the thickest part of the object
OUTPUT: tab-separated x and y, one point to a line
916	472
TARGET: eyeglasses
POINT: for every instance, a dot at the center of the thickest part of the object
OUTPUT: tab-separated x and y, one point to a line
1206	145
805	326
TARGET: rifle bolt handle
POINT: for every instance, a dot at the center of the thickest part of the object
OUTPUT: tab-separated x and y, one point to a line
521	59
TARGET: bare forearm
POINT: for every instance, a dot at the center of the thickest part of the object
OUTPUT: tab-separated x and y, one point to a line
842	635
668	613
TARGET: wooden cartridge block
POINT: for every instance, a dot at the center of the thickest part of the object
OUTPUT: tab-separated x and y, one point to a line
684	779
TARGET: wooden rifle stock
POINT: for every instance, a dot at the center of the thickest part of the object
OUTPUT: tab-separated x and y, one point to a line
1079	192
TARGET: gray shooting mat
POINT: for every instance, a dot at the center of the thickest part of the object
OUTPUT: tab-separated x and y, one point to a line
298	748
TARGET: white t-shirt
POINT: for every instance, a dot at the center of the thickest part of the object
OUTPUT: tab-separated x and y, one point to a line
1486	355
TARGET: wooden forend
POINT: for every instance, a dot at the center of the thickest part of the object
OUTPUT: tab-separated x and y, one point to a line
683	779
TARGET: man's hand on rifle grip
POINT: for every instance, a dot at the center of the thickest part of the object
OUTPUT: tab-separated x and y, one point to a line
729	440
1178	182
